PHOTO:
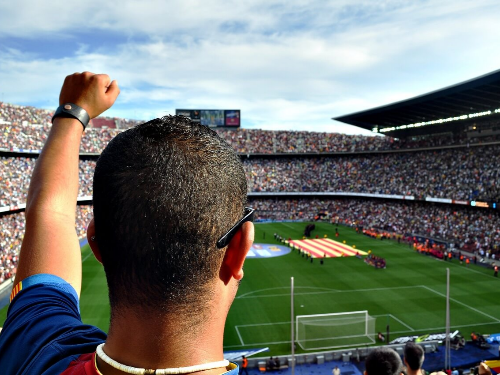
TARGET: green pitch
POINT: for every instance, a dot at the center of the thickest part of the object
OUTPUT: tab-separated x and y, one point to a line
409	295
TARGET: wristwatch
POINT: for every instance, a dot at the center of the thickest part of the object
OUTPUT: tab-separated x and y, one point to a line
70	110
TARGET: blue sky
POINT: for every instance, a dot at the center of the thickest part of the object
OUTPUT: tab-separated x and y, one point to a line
291	64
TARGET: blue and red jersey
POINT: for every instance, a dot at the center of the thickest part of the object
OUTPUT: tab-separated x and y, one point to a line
44	333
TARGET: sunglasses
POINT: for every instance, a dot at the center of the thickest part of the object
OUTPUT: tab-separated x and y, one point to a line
226	238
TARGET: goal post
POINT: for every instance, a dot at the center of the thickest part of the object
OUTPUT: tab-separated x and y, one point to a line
326	331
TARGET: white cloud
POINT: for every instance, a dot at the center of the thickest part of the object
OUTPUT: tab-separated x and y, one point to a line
290	64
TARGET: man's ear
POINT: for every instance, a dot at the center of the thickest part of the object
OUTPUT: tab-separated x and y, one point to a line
92	240
237	250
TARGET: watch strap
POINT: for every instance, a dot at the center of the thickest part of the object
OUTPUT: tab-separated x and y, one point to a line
70	110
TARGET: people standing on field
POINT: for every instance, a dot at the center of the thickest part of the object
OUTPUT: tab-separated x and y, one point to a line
244	365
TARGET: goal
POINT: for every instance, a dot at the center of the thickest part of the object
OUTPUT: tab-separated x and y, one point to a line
325	331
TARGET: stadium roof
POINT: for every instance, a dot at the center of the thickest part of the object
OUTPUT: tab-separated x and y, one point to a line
466	100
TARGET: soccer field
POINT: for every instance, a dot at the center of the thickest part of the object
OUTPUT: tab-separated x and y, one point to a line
409	295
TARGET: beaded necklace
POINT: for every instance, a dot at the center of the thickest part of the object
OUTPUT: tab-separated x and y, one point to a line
166	371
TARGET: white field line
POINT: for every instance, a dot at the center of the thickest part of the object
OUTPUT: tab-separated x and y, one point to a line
403	323
259	343
289	226
261	324
461	303
239	335
324	292
337	338
463	267
464	325
84	259
395	332
284	287
359	290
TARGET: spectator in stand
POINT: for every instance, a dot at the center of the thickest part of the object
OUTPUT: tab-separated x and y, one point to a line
15	178
23	115
413	359
383	361
12	234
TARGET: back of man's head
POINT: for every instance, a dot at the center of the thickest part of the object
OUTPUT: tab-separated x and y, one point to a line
383	361
414	356
164	193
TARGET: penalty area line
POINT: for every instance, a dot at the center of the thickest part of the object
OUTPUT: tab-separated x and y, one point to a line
461	303
403	323
239	335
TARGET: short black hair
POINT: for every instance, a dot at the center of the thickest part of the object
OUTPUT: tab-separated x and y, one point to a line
383	361
414	355
164	192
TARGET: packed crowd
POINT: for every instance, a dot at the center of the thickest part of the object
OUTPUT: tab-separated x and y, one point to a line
465	173
26	128
23	115
11	237
15	174
462	226
32	137
460	174
244	141
12	234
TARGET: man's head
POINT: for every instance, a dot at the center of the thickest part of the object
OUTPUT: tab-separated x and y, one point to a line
164	193
383	361
413	356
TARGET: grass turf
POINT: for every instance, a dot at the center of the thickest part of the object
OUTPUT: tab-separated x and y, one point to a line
409	294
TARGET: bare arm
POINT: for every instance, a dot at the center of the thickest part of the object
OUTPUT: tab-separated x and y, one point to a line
50	243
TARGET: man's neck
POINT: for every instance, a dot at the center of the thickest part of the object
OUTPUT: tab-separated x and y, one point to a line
163	342
409	371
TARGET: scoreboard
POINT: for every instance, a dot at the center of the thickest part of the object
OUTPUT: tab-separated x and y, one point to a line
226	118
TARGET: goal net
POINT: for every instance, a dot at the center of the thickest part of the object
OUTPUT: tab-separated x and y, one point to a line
325	331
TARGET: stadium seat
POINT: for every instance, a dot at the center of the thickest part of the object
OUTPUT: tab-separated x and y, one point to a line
311	358
399	350
346	358
329	357
429	348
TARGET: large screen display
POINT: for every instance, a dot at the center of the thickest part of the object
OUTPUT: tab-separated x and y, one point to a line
232	118
213	117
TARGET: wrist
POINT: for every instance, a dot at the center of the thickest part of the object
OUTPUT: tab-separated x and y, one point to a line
71	110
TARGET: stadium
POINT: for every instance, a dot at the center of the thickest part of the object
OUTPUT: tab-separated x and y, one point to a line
368	227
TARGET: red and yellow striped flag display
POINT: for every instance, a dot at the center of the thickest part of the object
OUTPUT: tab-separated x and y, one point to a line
321	247
494	365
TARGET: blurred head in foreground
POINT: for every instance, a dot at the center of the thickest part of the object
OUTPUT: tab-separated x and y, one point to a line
383	361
